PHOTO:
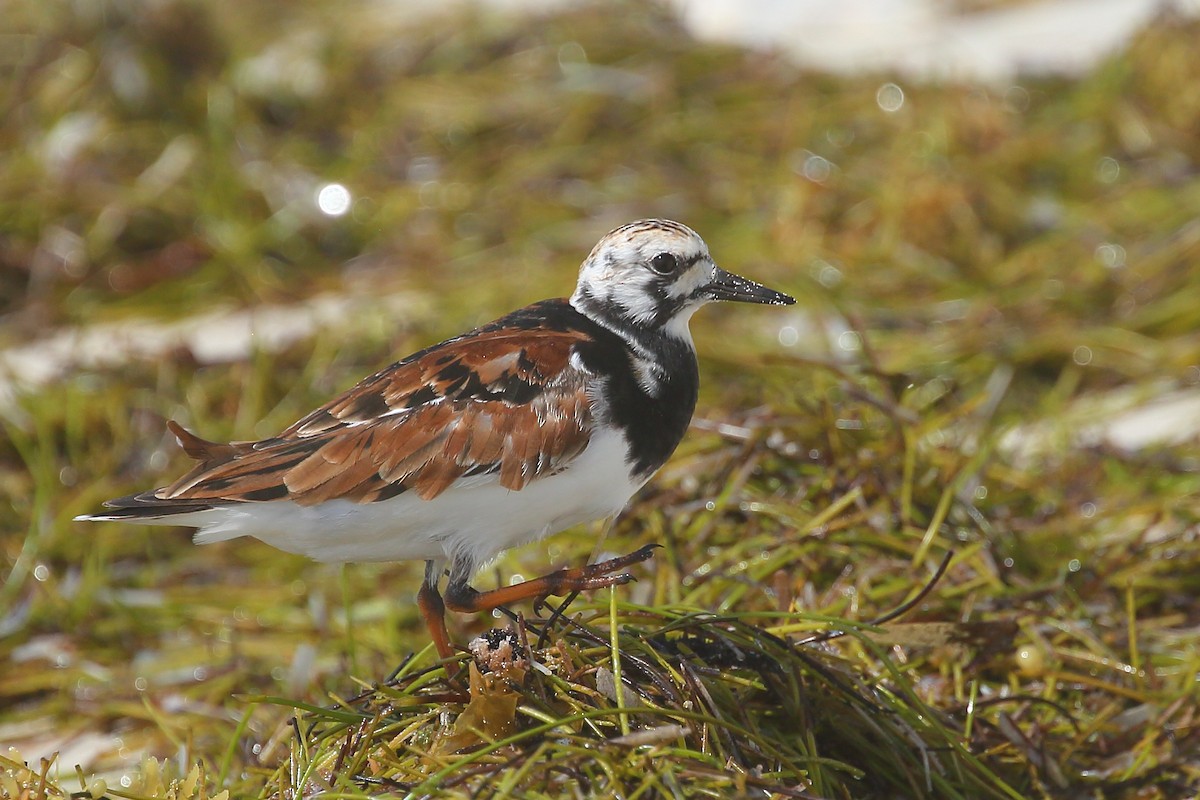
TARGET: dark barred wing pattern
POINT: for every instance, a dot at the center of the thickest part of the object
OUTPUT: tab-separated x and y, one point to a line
502	400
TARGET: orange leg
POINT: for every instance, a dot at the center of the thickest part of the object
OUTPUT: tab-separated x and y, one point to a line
433	611
460	596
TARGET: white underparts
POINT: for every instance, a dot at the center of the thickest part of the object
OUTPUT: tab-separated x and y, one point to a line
477	517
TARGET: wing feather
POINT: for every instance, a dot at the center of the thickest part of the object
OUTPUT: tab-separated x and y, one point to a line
497	401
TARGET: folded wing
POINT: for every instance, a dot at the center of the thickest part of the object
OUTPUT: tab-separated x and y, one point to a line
497	404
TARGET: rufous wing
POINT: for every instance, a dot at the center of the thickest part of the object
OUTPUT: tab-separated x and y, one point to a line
499	402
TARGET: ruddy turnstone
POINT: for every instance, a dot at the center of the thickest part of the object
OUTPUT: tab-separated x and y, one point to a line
548	417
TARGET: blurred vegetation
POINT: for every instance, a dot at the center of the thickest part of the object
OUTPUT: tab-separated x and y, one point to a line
975	261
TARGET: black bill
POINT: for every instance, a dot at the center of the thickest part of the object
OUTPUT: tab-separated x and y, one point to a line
727	286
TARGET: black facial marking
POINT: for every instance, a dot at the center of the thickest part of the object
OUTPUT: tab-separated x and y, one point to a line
658	289
665	309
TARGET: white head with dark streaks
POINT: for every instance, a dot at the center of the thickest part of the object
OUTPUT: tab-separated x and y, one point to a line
651	275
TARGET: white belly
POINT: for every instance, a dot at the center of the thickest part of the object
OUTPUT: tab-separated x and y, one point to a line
476	516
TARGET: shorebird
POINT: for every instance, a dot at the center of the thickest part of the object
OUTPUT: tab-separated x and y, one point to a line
549	417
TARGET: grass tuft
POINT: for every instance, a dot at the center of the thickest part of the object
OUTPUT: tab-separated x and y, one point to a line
708	705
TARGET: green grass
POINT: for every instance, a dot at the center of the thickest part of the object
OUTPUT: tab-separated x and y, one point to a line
793	636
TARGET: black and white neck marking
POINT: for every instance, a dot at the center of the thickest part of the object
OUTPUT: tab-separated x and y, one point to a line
642	282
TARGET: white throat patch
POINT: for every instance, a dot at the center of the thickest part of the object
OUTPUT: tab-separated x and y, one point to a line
621	280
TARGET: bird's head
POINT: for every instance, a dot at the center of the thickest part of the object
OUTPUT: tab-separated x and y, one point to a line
653	274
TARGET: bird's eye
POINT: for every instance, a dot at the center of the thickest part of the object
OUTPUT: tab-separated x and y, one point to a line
664	263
